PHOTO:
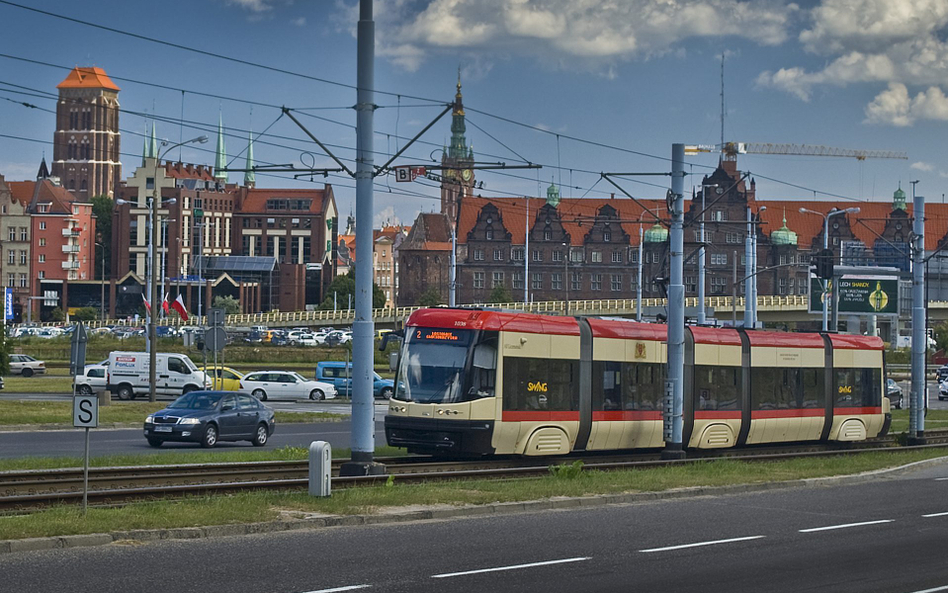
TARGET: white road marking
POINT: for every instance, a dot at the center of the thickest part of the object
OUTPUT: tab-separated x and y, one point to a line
932	590
844	526
336	589
940	479
699	544
935	515
513	567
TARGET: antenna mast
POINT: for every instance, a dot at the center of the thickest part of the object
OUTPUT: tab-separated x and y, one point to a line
723	112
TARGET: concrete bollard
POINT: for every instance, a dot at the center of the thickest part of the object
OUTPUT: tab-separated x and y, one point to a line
320	468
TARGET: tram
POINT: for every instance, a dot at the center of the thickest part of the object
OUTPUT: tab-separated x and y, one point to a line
479	382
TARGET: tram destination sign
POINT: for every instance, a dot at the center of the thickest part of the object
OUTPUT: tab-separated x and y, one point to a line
868	295
452	336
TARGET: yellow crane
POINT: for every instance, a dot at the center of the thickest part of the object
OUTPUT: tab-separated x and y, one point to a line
730	150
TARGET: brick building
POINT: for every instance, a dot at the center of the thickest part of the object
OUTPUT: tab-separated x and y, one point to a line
15	249
424	258
86	141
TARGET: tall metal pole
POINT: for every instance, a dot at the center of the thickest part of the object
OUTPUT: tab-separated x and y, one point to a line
453	274
734	294
674	386
149	263
638	286
526	256
363	328
566	274
826	235
153	286
200	307
748	261
919	339
701	264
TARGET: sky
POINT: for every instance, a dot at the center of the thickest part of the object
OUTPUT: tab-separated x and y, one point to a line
580	87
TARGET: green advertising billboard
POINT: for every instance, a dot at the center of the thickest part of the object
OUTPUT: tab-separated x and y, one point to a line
867	295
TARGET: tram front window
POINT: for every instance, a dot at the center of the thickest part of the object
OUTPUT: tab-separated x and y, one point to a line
432	366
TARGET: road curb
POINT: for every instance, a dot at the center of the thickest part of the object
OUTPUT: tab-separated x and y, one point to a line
503	508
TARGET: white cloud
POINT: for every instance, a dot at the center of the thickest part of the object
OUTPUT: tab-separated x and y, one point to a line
299	21
895	106
567	32
252	5
923	166
385	217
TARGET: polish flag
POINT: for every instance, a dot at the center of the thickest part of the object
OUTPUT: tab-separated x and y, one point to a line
147	304
164	305
178	305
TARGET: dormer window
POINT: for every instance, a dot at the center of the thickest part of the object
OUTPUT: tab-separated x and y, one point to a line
547	235
489	234
607	236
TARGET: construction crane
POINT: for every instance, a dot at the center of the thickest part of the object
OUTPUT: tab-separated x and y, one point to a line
730	150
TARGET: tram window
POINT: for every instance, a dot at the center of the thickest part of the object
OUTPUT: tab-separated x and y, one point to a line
484	369
717	388
540	384
607	386
644	386
763	388
812	387
858	388
786	388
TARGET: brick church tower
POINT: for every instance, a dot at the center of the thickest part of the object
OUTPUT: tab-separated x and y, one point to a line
86	142
458	177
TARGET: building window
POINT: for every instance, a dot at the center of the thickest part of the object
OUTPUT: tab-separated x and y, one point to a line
743	260
734	238
12	233
516	254
595	281
11	257
718	284
576	281
596	257
634	258
42	275
518	280
43	226
556	281
691	283
557	256
718	259
783	286
498	255
22	280
478	279
547	235
719	215
537	255
23	233
11	280
617	257
498	280
537	283
783	260
607	236
42	241
616	282
42	259
23	257
478	254
576	256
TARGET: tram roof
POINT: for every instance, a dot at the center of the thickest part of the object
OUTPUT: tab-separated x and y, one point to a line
495	321
852	342
784	339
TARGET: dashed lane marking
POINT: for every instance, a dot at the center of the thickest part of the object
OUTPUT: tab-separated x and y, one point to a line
844	526
337	589
935	590
512	567
935	515
700	544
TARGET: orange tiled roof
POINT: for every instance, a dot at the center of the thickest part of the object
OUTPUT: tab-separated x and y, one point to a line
88	78
22	191
256	199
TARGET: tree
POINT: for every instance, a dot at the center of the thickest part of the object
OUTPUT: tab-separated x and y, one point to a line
342	286
229	304
102	210
430	298
6	348
56	314
500	294
85	314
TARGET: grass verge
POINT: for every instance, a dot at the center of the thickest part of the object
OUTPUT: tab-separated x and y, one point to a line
180	457
16	412
934	419
37	384
265	506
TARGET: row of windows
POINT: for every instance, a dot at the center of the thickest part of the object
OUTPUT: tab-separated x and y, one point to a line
538	279
541	384
11	257
11	233
577	256
11	280
281	223
287	204
627	386
547	235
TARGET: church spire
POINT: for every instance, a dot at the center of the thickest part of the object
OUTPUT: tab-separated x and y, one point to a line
458	148
220	161
43	172
250	179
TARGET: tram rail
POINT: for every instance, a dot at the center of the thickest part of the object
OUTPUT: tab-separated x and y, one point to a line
28	490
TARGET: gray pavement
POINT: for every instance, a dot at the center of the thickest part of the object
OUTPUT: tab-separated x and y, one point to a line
876	537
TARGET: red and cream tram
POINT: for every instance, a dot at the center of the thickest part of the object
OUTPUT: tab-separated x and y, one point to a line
474	382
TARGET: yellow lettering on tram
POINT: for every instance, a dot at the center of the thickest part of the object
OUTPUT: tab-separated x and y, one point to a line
541	387
846	389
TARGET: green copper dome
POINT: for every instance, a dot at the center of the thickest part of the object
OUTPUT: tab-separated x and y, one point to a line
553	195
898	199
656	234
783	235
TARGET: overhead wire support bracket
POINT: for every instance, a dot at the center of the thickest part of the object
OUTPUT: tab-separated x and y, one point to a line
384	168
321	145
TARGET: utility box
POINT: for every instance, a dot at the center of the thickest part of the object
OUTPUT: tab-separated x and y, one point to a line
320	468
393	361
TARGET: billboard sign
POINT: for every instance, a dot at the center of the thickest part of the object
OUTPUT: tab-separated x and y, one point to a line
8	304
867	295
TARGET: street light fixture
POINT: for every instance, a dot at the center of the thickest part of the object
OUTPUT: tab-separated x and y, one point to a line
153	270
826	223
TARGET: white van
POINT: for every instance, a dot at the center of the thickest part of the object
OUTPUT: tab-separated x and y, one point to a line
175	374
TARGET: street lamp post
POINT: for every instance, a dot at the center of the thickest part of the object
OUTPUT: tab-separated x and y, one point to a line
153	270
565	273
102	283
702	316
826	218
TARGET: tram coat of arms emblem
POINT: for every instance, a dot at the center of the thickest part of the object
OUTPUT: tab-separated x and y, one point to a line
639	350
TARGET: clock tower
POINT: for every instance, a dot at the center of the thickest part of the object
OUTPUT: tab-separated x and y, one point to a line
457	176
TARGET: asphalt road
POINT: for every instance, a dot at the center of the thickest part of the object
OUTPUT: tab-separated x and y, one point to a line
67	443
882	537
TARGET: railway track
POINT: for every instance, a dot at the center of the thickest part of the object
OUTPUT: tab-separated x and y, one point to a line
23	491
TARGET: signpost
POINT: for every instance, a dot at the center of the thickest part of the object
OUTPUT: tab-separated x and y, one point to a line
85	408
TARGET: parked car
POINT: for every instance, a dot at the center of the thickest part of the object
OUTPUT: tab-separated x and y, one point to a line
208	417
175	374
92	380
305	339
27	366
894	393
341	377
943	390
284	384
942	373
223	378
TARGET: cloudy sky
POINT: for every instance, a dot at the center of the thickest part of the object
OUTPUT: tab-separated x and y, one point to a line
579	86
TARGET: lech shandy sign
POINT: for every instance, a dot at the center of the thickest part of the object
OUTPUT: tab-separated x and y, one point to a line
878	295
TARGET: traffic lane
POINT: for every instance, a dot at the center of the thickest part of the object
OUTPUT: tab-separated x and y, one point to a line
613	548
68	443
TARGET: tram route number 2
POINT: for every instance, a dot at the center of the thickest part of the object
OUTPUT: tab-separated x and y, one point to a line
85	411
